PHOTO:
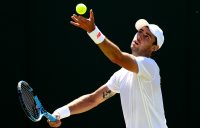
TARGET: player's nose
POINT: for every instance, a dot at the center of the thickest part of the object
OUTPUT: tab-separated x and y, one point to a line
139	36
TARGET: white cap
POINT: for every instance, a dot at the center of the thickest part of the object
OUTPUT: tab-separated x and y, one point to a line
155	30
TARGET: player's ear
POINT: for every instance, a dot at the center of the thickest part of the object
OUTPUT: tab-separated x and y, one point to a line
154	48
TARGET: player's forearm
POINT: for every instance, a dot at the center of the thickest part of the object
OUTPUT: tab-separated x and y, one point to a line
110	50
81	104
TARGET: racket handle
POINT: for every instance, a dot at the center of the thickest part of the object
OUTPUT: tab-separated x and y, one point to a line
50	117
43	111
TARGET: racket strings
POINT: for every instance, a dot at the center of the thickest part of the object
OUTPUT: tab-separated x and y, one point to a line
29	102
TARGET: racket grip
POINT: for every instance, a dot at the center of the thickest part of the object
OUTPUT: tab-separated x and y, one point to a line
50	117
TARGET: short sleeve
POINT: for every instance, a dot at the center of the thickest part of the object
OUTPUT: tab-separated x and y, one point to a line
147	67
113	82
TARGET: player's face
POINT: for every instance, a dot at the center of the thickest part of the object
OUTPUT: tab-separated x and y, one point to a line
143	42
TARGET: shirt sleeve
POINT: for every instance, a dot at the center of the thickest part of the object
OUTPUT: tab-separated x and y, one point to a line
113	82
147	67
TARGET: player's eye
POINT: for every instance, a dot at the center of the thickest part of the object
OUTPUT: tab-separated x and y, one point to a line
140	31
146	37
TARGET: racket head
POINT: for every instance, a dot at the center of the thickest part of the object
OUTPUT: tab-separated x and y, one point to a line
27	101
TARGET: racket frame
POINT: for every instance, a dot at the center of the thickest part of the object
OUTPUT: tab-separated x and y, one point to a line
39	107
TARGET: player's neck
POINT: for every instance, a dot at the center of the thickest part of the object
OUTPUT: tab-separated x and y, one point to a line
141	54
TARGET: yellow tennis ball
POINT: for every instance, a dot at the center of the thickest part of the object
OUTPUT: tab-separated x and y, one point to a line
81	8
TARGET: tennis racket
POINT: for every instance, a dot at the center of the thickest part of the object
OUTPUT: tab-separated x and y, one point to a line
31	104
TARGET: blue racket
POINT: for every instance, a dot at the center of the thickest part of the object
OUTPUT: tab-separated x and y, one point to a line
31	104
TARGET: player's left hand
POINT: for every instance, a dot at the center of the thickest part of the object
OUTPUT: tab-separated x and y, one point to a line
55	124
81	22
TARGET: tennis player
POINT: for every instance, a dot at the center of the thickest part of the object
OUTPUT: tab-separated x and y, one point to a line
137	82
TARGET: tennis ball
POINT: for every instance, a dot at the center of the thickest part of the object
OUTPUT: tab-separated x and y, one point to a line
81	8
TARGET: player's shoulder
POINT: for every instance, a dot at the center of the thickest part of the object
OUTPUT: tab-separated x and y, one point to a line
143	58
146	60
121	71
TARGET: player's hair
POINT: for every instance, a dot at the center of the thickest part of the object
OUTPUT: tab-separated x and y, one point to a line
155	42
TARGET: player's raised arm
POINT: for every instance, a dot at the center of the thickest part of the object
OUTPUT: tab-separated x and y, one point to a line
111	50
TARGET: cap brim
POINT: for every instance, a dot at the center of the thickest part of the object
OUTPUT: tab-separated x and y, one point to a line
141	23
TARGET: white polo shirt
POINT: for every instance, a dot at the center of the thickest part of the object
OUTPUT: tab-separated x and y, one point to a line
140	94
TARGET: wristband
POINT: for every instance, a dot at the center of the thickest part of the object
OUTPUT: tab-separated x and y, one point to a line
96	35
62	112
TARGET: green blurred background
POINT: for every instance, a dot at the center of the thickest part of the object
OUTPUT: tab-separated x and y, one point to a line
61	62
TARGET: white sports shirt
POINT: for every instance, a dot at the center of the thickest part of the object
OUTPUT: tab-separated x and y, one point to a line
140	95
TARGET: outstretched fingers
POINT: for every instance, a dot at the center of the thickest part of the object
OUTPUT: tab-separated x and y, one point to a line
82	22
77	20
74	18
75	24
